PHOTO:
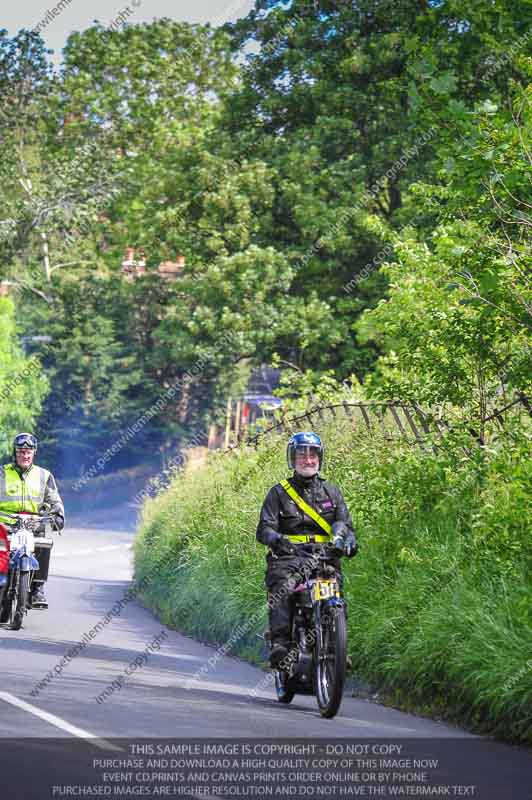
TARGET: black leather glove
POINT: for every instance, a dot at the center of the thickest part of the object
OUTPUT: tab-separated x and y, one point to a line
339	532
58	522
350	545
344	539
283	546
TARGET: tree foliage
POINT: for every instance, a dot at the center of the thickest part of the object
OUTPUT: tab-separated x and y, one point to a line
355	186
23	384
458	318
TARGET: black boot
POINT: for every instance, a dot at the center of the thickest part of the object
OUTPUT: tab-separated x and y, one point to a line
38	598
279	653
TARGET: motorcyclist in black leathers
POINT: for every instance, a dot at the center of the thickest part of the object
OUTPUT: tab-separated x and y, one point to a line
291	533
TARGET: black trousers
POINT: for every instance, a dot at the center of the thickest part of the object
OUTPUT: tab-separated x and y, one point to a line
42	554
283	574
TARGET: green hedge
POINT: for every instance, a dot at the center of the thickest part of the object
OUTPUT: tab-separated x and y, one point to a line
439	596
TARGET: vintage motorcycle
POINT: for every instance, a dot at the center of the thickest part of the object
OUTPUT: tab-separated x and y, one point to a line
4	560
316	662
25	533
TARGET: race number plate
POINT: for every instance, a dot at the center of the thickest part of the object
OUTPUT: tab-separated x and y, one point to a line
323	590
21	538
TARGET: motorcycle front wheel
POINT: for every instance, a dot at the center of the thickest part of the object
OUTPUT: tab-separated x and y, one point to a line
331	641
19	600
284	695
6	605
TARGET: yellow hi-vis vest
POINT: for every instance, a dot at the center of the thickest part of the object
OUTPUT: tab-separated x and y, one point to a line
310	512
22	493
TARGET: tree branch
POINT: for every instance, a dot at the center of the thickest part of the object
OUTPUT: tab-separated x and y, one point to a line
24	285
478	296
67	264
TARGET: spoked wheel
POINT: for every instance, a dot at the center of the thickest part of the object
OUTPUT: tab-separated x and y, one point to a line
284	695
19	600
4	612
331	661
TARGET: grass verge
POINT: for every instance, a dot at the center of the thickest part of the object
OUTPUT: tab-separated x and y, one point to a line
440	612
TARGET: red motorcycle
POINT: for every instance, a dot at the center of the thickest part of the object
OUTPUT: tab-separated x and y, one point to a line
27	533
4	560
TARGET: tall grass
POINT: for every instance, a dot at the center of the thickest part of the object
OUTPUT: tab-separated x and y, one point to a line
440	612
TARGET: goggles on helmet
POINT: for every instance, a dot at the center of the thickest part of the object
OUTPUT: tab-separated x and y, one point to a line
27	440
306	450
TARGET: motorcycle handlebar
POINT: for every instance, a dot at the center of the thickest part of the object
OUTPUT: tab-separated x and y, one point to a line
324	551
34	518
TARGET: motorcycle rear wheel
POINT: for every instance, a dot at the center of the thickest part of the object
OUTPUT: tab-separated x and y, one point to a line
19	600
331	643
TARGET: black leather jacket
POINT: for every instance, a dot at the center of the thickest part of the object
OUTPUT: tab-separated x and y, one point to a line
281	515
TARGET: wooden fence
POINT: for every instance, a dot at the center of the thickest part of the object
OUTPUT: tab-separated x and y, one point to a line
394	420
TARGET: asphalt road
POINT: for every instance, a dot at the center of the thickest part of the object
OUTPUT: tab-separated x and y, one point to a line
164	697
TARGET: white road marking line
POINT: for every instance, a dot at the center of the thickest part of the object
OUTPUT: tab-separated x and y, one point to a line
104	549
97	741
113	547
